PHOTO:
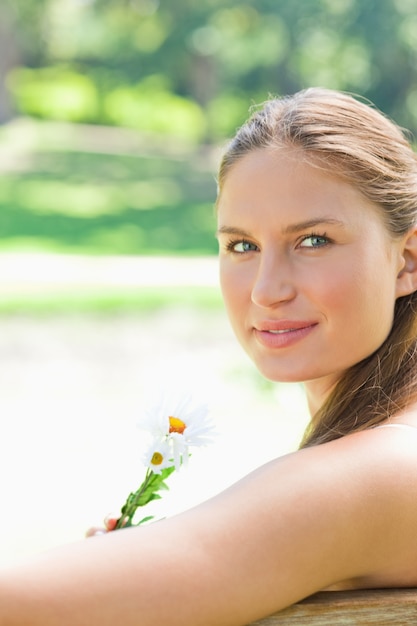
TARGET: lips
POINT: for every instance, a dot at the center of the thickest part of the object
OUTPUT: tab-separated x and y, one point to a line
282	326
283	333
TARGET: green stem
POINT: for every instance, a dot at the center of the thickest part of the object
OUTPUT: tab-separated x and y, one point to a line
132	503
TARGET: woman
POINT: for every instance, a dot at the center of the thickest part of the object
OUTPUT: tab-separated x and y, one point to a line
317	213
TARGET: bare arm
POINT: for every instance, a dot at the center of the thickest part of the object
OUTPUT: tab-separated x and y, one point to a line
297	525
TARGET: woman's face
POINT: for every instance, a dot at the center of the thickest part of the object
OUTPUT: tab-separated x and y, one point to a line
308	271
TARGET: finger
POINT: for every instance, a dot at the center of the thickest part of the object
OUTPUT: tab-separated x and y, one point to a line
110	521
95	531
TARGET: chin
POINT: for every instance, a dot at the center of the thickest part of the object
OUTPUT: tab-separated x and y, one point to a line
289	375
281	377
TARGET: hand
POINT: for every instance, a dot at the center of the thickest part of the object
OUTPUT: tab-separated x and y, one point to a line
110	522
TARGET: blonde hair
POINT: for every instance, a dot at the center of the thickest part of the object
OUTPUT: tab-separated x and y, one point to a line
337	132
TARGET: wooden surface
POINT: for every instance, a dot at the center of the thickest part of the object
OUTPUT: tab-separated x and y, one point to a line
381	607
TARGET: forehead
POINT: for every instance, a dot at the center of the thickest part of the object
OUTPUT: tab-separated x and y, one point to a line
279	168
281	184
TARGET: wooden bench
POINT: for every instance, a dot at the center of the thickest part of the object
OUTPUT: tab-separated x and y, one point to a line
381	607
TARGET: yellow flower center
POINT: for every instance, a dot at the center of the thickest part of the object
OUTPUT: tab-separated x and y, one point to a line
157	458
176	425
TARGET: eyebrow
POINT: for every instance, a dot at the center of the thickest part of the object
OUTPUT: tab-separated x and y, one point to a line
230	230
291	229
318	221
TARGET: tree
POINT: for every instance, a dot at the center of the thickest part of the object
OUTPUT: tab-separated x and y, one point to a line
224	55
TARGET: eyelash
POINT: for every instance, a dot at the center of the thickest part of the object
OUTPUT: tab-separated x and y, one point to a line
324	236
230	246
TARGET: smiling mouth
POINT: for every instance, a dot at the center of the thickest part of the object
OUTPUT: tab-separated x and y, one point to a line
275	338
281	332
284	326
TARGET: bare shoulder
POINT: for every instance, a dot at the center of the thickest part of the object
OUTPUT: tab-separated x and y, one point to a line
343	513
385	456
374	468
381	462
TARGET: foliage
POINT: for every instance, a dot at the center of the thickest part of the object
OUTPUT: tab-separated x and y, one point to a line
218	55
54	93
183	74
150	106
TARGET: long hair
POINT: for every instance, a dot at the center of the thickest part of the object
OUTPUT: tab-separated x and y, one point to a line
354	141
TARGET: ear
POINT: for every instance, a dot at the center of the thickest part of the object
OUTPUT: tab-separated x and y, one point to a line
407	277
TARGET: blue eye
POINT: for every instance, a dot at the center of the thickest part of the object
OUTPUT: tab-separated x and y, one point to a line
240	247
314	241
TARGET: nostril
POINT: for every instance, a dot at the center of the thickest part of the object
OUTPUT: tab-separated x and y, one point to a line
271	293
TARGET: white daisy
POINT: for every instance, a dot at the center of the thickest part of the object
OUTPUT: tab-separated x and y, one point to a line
183	424
159	456
174	427
193	429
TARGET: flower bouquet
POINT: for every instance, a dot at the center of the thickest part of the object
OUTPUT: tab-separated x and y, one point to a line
175	430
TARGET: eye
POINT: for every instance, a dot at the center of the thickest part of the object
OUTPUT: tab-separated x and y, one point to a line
314	241
242	246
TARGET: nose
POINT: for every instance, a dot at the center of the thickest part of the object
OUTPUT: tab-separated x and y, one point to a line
274	282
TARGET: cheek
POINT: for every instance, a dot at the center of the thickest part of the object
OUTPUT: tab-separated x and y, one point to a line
362	305
229	289
235	290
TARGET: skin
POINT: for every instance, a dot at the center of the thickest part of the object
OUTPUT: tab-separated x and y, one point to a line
339	515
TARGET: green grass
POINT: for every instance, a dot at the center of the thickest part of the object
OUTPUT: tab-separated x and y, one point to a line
75	196
99	191
110	301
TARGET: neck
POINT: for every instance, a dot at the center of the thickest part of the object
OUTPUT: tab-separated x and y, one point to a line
317	392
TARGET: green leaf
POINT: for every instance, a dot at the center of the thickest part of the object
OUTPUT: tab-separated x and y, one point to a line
148	518
154	484
147	492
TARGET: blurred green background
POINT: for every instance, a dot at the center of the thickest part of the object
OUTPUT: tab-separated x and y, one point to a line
113	111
